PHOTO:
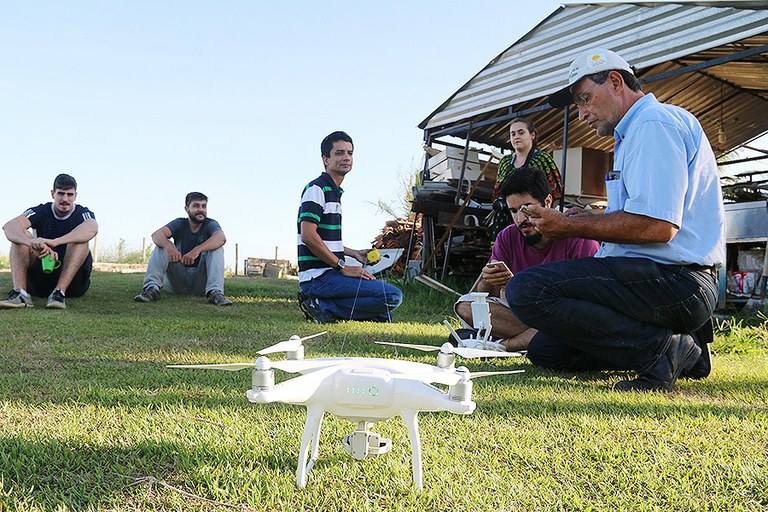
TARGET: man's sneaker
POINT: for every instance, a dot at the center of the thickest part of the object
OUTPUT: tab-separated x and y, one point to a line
17	299
56	300
304	309
149	294
314	313
218	299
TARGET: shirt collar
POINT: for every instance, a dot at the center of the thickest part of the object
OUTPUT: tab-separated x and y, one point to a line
329	181
621	129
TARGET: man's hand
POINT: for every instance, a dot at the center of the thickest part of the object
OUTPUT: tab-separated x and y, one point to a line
190	257
42	247
355	271
361	255
496	273
550	222
174	256
575	211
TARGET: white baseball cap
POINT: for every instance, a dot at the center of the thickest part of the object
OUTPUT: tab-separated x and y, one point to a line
588	63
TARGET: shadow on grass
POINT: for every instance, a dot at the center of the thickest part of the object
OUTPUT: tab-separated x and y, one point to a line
52	474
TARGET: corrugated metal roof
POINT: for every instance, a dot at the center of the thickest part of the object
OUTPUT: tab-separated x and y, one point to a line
655	37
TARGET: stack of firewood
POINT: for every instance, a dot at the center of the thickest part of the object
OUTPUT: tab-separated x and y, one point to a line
400	234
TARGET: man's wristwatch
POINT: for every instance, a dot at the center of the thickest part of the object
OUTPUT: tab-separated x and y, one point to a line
341	264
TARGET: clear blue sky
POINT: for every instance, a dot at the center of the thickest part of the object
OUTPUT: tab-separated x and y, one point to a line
144	101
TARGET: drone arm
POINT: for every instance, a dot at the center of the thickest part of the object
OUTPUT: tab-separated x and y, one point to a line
411	419
311	434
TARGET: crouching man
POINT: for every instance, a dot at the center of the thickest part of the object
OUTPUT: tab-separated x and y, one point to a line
331	290
191	264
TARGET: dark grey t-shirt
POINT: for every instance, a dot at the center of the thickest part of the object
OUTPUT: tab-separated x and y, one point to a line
185	240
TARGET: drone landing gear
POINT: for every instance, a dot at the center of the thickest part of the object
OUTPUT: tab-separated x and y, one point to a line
362	442
311	433
411	420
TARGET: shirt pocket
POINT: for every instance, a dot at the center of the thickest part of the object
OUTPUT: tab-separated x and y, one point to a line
617	195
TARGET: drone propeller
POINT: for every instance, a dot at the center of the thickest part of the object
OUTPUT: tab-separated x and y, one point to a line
230	367
450	377
464	373
290	345
290	366
447	348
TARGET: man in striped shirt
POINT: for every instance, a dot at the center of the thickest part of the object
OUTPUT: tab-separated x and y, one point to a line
62	230
331	290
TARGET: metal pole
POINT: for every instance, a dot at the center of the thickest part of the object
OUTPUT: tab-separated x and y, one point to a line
237	257
427	234
564	162
458	195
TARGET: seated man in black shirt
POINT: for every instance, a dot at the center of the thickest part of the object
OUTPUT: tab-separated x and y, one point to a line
62	230
191	264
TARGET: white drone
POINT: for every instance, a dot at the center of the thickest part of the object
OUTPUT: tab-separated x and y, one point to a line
362	390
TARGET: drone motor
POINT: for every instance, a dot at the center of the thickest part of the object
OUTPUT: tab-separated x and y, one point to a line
263	375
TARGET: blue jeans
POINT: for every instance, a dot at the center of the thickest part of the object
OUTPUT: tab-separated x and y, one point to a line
206	277
609	313
350	298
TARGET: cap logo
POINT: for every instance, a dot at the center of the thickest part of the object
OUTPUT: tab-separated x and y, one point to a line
596	59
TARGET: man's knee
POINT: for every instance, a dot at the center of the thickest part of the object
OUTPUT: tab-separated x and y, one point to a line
464	311
394	297
521	294
540	354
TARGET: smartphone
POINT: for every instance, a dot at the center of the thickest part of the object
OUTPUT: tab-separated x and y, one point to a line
528	212
498	264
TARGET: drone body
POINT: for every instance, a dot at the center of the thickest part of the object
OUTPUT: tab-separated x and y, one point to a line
363	391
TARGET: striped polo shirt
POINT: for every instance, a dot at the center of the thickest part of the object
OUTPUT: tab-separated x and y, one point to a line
320	204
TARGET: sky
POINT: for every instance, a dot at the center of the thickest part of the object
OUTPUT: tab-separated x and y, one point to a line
144	101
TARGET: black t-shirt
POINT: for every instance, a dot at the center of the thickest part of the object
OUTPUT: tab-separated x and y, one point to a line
185	240
47	225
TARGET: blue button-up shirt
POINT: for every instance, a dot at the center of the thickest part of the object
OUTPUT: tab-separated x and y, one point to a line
664	168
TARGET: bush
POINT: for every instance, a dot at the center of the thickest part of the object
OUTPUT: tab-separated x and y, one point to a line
121	254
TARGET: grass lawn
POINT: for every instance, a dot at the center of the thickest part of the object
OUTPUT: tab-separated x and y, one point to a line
90	418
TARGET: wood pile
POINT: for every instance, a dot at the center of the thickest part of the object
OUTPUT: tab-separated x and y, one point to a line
400	234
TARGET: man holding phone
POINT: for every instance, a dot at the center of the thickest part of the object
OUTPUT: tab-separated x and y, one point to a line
519	246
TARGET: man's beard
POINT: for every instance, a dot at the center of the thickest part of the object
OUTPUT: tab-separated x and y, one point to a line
532	239
193	218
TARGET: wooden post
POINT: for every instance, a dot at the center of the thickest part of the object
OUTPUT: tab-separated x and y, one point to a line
144	250
237	257
96	248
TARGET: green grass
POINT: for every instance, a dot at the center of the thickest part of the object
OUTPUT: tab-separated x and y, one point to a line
87	408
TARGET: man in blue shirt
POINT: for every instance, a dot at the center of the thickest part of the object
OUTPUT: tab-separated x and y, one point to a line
644	303
191	264
331	290
62	230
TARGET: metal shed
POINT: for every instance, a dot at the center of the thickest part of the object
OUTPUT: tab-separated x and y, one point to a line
709	57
